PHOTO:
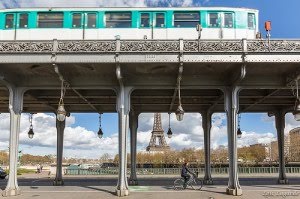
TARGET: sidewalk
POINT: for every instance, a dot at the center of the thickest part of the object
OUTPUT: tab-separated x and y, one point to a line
40	186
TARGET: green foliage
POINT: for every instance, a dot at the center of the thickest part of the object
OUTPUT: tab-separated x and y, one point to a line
28	159
22	171
3	158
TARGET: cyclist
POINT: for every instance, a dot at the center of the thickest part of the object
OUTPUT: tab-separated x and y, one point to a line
184	173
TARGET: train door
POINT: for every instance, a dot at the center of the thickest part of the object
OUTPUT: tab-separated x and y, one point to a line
14	23
159	23
215	26
145	24
86	25
227	25
153	25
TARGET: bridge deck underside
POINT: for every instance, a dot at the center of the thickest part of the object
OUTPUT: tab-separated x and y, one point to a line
93	86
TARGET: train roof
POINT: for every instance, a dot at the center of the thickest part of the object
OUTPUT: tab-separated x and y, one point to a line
129	8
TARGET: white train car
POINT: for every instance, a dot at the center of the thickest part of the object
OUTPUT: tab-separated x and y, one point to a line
127	23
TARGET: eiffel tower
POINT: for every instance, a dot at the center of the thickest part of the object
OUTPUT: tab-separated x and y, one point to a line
157	135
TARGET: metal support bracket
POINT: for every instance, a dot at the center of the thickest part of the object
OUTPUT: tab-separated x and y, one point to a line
180	71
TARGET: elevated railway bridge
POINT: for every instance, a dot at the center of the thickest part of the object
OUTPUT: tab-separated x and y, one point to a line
135	76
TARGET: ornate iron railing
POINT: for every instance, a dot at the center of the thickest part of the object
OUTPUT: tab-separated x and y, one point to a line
151	46
176	171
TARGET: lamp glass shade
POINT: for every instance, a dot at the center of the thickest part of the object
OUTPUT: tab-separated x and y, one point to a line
297	115
179	113
61	113
169	133
239	133
30	133
100	133
296	112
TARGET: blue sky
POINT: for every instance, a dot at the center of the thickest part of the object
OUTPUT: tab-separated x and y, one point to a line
81	139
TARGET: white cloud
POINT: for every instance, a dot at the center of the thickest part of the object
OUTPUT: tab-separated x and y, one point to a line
170	3
250	138
97	3
189	132
290	122
77	140
71	3
80	142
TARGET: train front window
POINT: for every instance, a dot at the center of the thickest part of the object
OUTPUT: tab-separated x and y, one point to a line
186	19
50	20
145	20
23	21
118	20
160	20
76	20
228	20
251	20
213	20
9	21
91	20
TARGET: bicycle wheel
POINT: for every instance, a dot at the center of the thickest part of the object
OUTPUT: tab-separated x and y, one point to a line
178	184
196	184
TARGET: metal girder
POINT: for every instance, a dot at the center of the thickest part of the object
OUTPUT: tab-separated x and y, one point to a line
42	102
75	91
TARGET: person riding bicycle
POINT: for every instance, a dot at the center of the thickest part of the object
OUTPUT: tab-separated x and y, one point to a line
184	173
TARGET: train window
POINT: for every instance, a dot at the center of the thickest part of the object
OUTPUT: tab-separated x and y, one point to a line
76	20
118	20
145	20
214	20
50	20
186	19
251	20
23	20
228	20
160	20
9	21
91	20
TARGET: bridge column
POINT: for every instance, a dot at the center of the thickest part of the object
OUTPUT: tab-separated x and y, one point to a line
133	125
280	124
15	109
231	108
206	124
60	126
123	107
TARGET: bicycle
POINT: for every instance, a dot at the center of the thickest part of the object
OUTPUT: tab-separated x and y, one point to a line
194	182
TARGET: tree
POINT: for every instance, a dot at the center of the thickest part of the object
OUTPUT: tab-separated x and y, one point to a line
258	152
3	158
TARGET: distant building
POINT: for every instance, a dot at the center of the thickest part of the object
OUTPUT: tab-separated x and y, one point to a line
273	149
294	145
287	144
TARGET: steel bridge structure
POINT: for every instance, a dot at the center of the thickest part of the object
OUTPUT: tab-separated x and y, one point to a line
135	76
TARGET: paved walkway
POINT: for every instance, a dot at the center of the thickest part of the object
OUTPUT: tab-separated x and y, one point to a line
150	187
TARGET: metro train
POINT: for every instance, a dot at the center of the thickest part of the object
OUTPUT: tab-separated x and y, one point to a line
128	23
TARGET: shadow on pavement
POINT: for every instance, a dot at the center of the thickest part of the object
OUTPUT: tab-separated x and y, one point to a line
99	189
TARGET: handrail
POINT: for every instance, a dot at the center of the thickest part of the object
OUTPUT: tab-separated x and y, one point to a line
176	171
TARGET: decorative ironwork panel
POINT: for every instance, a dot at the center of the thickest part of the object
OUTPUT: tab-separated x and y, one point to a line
273	46
213	46
87	46
190	46
26	47
149	46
